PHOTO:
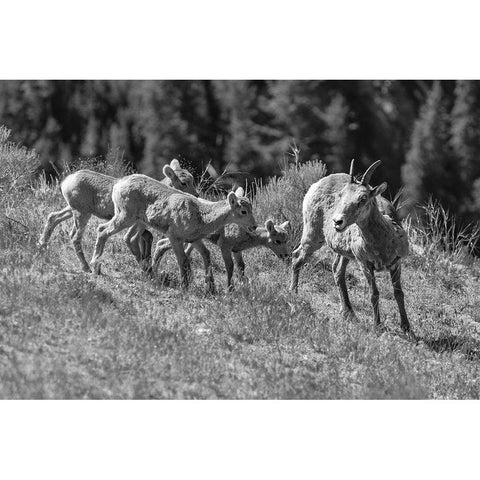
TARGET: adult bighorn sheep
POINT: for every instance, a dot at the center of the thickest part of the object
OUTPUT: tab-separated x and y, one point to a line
89	193
178	215
356	223
233	240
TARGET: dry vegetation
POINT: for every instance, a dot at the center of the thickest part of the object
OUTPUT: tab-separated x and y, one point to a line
67	334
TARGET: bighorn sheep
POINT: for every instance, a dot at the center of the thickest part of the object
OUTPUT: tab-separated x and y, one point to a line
180	216
357	223
89	193
233	240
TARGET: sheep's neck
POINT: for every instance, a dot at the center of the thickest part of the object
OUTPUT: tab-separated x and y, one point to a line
260	238
250	240
214	215
373	227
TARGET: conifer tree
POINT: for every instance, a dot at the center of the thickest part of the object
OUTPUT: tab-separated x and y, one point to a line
465	140
431	168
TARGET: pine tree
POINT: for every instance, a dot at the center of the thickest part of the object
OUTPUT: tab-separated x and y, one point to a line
465	140
431	168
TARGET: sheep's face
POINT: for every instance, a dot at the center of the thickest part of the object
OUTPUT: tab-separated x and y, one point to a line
241	210
354	203
277	238
180	179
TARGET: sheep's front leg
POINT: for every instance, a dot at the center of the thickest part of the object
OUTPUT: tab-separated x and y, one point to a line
375	296
238	257
339	268
104	231
205	253
183	262
227	258
395	274
299	256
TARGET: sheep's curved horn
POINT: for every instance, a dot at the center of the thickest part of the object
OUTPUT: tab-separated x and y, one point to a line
352	178
368	174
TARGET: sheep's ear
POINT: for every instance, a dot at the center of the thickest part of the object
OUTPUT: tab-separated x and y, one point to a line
232	199
284	225
168	172
380	189
175	164
269	225
239	192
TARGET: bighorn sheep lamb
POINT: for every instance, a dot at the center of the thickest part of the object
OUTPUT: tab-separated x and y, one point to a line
180	216
357	223
89	193
233	240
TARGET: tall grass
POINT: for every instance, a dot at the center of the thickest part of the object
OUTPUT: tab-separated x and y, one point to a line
438	236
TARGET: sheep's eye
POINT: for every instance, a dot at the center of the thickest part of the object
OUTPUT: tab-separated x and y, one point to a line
278	242
363	199
243	212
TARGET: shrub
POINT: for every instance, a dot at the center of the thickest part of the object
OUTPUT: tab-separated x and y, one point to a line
18	165
112	164
282	197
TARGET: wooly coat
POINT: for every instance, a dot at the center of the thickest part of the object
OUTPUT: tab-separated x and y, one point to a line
89	193
233	240
353	219
179	216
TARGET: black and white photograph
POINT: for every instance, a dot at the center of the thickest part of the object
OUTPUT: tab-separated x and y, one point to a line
240	239
236	228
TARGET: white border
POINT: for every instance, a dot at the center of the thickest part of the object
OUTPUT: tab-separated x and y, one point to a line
238	440
185	39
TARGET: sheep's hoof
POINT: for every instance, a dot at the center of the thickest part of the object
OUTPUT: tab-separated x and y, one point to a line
380	328
349	315
95	268
410	336
87	269
210	290
148	271
165	279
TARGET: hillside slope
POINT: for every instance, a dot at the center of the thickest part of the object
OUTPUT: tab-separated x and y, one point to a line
67	334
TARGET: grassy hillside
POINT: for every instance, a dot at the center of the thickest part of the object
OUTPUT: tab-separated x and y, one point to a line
67	334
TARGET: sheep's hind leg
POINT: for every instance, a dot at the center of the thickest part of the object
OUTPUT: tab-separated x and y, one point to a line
395	275
139	241
79	225
163	245
106	230
375	296
145	242
52	221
